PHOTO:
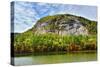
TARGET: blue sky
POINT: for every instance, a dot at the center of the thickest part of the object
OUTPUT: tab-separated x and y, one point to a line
27	13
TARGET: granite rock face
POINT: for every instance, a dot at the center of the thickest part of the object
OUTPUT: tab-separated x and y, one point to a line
63	25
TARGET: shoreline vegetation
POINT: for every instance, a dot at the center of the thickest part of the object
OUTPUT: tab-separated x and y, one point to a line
53	43
54	53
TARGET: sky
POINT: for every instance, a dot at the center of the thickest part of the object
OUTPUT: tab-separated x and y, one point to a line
25	14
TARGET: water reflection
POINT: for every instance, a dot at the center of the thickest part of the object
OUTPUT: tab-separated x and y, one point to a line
60	58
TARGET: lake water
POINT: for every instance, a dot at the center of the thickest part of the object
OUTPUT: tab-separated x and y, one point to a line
58	58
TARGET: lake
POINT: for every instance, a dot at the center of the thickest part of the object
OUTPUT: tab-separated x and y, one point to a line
58	58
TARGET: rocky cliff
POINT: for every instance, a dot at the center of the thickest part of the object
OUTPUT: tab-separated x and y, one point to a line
65	24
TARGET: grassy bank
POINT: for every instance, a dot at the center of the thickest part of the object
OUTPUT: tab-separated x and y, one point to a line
33	43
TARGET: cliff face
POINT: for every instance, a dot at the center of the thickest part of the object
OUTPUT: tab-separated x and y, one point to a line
62	25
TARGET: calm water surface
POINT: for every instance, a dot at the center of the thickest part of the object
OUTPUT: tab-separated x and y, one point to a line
60	58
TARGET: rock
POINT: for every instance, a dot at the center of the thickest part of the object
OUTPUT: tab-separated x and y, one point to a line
62	25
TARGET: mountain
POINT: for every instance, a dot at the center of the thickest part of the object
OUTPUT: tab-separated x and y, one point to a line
65	24
63	29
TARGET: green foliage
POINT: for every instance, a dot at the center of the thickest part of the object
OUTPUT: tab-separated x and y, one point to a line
27	43
90	25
